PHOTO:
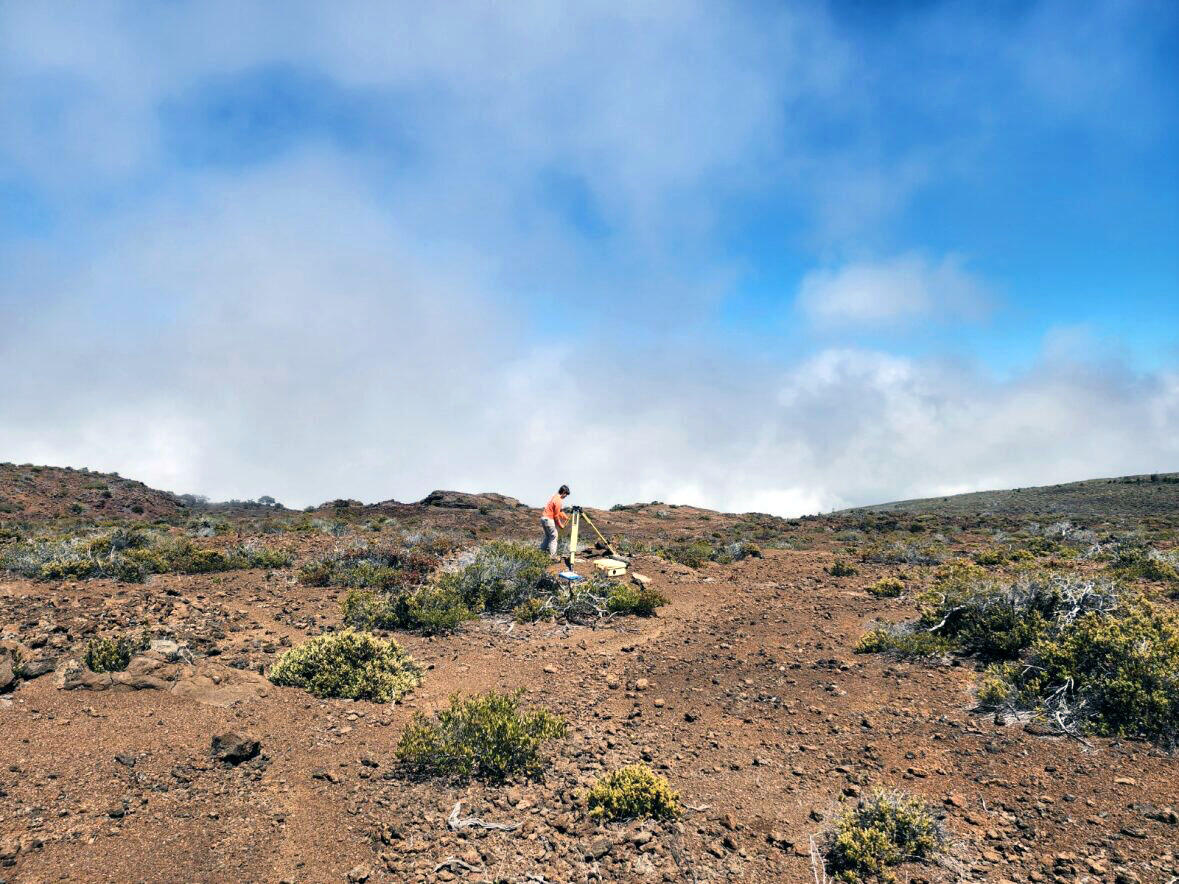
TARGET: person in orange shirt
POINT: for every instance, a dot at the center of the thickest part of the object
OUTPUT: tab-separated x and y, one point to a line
553	520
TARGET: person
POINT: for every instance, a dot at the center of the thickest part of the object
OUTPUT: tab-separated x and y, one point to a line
553	520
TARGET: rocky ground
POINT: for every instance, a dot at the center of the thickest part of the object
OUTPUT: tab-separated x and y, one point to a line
744	691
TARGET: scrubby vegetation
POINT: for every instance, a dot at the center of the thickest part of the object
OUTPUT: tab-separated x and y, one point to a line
501	576
641	601
486	737
880	833
1113	672
887	588
431	610
1144	563
840	568
349	664
1084	652
130	555
513	578
114	654
632	792
697	553
904	642
385	568
903	553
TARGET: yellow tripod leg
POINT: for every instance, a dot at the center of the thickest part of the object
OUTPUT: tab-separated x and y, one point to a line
574	522
605	542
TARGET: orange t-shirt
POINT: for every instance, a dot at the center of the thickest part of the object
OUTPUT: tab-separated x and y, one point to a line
552	510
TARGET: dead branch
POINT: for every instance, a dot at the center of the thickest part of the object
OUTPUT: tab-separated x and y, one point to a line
455	823
451	862
818	866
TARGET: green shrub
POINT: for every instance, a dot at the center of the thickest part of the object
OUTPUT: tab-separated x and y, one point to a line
364	609
433	610
531	610
903	553
881	832
385	568
694	554
1113	673
130	555
114	654
990	557
887	588
625	598
349	664
997	620
735	552
632	792
903	643
1146	564
486	737
502	576
842	569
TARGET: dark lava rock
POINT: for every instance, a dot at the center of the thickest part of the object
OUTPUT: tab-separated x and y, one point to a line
234	749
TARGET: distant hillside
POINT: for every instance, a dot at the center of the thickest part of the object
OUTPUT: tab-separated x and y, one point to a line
1156	493
36	492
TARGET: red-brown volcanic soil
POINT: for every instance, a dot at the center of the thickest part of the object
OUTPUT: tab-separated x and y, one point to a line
744	691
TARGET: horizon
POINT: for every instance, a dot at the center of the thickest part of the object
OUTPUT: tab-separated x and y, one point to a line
602	506
766	258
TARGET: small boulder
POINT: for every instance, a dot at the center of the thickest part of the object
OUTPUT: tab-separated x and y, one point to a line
233	749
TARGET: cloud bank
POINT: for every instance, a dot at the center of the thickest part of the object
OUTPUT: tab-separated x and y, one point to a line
361	250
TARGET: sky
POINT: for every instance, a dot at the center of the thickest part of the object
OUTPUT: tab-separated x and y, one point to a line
776	257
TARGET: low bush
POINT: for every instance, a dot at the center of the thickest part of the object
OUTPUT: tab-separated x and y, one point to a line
900	553
632	792
887	588
881	832
371	567
365	610
114	654
502	576
1110	672
130	555
349	664
486	737
736	551
531	610
626	598
697	553
904	642
431	610
990	557
840	568
996	620
693	554
1148	564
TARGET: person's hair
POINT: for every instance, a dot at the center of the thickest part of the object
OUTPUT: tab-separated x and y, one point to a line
564	489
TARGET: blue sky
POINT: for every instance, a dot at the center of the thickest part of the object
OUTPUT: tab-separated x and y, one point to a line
784	257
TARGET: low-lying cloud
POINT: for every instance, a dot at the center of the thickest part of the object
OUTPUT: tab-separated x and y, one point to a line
896	292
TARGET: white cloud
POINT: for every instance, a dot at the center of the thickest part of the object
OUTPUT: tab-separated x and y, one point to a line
895	292
334	322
